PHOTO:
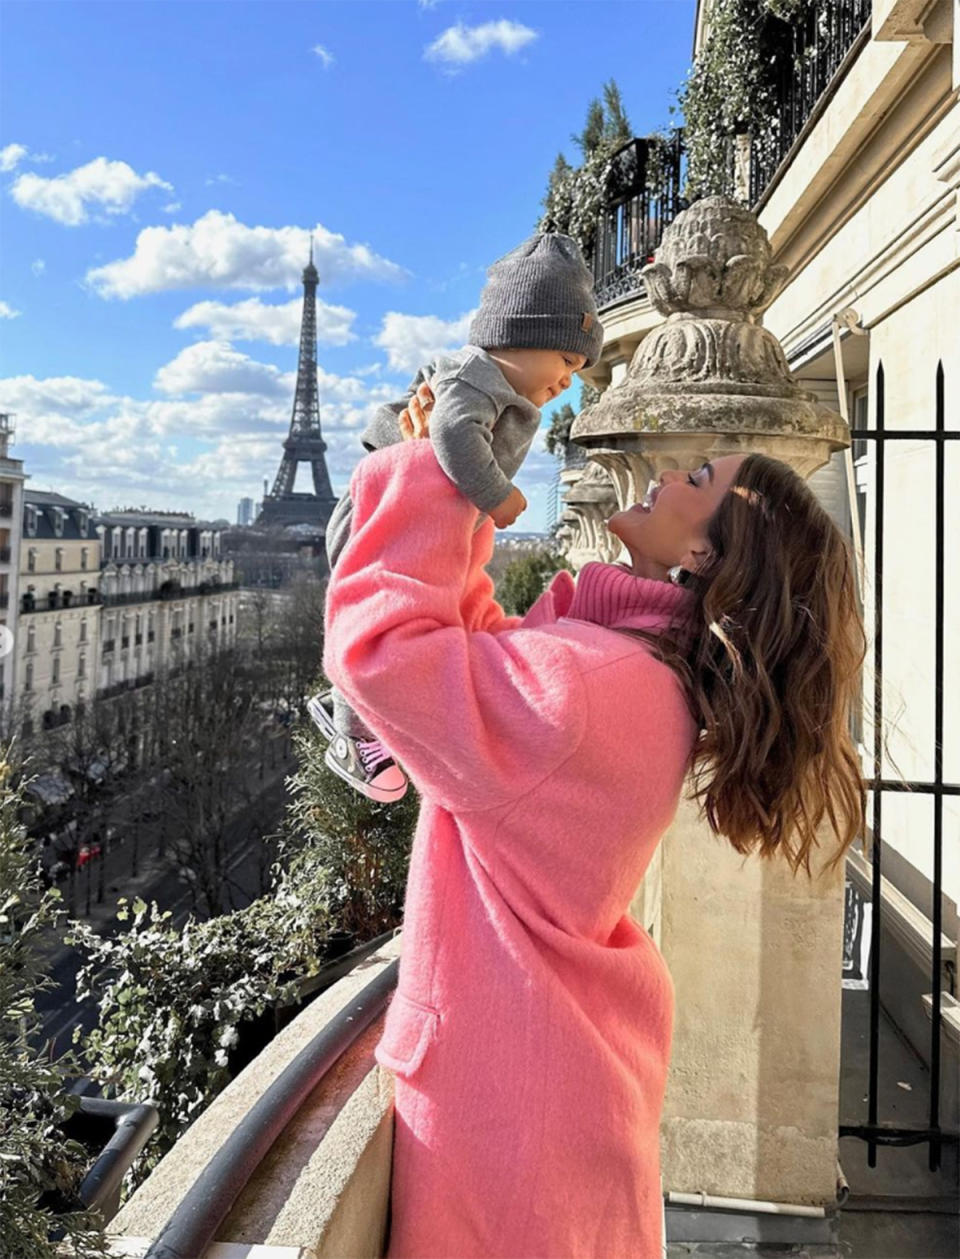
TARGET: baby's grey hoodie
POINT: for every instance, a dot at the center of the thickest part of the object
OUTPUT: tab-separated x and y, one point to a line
480	426
481	429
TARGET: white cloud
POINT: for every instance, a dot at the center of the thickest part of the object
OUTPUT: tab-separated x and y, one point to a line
325	56
197	454
172	207
7	311
61	395
218	251
38	266
459	45
254	320
216	367
11	156
412	340
111	187
219	179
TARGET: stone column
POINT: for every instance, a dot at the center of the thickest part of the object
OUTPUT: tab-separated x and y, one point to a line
752	1101
589	502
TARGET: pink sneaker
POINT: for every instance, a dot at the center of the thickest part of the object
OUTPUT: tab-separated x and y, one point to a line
367	765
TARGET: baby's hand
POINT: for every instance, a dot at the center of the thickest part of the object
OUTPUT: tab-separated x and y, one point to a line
505	513
413	419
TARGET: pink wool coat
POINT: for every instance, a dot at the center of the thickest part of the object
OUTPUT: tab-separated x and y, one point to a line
530	1031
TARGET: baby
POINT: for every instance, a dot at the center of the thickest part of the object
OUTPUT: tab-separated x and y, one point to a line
537	325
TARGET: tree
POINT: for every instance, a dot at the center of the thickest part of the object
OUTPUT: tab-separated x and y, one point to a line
363	845
40	1170
214	714
525	580
574	196
558	434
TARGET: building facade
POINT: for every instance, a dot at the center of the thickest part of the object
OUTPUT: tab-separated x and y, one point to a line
167	594
11	510
57	640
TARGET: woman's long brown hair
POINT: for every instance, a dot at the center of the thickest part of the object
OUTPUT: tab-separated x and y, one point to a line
771	661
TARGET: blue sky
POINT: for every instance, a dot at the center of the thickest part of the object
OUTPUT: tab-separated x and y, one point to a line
161	166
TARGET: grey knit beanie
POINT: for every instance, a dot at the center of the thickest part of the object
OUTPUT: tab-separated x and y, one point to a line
539	296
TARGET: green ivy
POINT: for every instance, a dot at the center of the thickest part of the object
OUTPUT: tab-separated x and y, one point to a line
214	976
731	87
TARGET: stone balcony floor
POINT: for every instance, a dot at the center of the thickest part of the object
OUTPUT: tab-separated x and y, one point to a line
916	1233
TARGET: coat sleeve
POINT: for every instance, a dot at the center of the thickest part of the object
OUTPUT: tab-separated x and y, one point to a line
477	718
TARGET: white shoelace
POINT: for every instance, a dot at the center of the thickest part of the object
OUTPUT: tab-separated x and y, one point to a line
372	752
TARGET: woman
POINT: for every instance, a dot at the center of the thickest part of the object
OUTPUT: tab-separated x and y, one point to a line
530	1031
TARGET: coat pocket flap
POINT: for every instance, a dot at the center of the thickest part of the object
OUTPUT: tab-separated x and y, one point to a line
408	1030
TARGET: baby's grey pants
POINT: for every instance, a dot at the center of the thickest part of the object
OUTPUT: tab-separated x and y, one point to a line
338	530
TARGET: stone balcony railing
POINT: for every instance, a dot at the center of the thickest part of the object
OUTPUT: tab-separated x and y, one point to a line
323	1189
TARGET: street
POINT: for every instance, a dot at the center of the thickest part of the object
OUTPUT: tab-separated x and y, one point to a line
155	881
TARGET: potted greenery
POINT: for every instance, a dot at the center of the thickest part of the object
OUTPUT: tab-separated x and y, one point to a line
42	1166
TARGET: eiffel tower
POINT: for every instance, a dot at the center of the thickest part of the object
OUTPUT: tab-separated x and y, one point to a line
304	443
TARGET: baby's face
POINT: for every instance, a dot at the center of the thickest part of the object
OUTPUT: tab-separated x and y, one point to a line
538	375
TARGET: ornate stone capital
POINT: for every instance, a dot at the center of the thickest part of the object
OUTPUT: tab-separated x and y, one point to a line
711	377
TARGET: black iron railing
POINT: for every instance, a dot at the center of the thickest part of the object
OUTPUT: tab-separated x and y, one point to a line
641	198
875	1132
819	49
166	592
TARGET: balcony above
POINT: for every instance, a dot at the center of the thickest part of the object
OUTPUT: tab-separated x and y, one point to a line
641	197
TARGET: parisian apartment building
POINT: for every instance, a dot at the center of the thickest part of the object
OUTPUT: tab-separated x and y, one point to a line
108	601
57	637
167	594
11	512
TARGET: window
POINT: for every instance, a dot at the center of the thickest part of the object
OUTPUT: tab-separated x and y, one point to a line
55	678
58	559
84	556
83	631
32	560
30	520
58	635
31	638
56	514
82	666
28	677
129	547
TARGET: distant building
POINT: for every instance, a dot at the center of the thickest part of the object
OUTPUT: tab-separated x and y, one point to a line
59	614
165	587
245	512
11	510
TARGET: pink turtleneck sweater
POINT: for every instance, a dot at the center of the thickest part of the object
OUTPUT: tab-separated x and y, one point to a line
529	1035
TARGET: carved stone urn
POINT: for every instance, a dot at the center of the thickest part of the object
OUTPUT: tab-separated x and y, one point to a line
711	379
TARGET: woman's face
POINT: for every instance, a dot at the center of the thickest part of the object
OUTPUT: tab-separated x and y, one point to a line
673	529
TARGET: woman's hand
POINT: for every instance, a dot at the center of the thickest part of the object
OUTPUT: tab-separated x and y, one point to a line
414	418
